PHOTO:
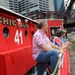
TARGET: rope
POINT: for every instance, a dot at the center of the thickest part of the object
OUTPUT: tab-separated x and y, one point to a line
56	67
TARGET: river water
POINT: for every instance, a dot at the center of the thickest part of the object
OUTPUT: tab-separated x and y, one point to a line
71	37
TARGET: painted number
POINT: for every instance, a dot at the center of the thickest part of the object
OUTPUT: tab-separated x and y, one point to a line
18	37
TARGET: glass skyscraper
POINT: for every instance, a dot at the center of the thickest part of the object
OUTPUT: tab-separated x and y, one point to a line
59	5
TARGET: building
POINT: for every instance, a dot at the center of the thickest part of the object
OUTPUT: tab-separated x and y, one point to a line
59	5
13	5
51	5
31	7
4	3
73	8
10	4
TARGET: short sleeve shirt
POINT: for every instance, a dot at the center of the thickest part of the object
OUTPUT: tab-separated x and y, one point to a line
39	38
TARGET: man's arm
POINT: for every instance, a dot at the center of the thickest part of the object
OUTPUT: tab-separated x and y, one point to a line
47	48
63	47
54	46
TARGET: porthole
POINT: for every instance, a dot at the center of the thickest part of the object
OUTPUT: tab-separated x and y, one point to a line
26	33
6	32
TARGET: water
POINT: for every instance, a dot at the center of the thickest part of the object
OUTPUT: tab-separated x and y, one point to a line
71	36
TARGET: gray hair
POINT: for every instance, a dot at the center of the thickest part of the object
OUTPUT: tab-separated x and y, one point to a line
41	23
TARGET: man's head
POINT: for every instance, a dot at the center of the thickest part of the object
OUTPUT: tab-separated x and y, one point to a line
42	25
59	33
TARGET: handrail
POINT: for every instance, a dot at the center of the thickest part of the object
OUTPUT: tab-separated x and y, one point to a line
64	60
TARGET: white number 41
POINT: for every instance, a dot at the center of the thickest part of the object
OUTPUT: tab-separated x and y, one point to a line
18	37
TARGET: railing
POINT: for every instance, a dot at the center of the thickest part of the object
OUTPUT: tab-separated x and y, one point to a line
68	16
63	65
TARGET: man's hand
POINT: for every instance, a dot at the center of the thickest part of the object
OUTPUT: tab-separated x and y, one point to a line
61	51
68	43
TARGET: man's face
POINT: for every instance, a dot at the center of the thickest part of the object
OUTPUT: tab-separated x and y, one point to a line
45	27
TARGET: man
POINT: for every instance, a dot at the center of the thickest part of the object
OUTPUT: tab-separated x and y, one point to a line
43	49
